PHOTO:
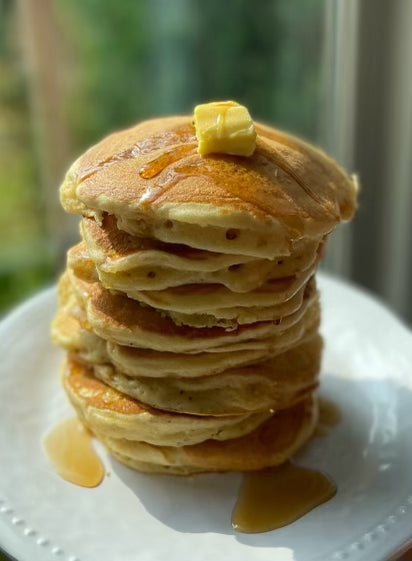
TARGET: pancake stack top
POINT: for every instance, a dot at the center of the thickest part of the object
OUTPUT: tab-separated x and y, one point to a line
189	310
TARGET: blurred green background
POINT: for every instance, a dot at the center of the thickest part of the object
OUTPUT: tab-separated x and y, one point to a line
70	72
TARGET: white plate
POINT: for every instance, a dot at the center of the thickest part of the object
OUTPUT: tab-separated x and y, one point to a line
366	370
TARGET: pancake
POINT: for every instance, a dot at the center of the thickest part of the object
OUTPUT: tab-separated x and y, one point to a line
127	263
231	318
194	298
119	319
112	414
275	384
189	310
144	362
151	178
70	322
228	317
71	330
239	278
270	444
210	298
116	251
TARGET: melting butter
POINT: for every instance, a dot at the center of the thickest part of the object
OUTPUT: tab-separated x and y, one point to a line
224	127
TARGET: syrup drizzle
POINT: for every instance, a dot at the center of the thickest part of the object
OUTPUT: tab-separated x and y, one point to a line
182	134
68	446
184	137
275	497
201	168
156	166
272	199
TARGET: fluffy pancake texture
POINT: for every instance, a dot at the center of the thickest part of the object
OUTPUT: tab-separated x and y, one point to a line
273	384
188	310
126	322
113	414
270	444
72	331
153	181
128	263
188	299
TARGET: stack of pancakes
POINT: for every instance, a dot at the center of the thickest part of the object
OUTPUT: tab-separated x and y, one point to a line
189	310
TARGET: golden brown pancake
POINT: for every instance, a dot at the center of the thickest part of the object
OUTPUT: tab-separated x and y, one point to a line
210	298
196	298
270	444
116	251
190	311
290	294
126	262
112	414
119	319
152	179
275	384
71	330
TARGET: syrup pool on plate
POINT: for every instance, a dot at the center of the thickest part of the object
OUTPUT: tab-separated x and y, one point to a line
267	499
278	496
68	446
275	497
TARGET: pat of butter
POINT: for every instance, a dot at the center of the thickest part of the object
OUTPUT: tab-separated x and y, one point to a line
224	127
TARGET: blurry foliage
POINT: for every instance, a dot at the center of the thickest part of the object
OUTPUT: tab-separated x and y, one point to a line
130	60
105	45
24	262
125	61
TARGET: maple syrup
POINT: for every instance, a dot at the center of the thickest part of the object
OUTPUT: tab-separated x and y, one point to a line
182	134
68	447
233	184
276	497
156	166
182	139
